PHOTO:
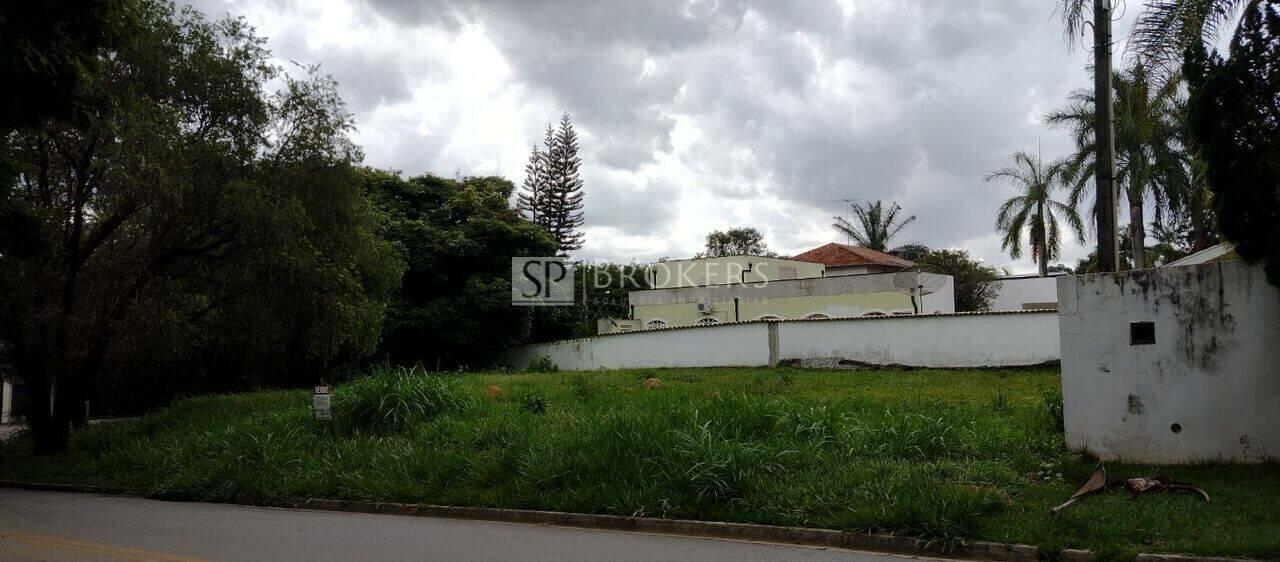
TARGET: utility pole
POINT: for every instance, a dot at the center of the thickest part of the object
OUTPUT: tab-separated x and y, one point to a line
1104	134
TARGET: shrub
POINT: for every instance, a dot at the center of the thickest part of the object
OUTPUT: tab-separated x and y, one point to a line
1000	402
542	364
392	400
581	388
1052	400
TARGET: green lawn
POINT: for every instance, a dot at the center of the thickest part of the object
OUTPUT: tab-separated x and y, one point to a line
936	454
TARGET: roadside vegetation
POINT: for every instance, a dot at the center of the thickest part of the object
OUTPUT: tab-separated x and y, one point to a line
942	455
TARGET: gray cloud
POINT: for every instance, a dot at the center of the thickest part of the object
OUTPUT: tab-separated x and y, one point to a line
780	108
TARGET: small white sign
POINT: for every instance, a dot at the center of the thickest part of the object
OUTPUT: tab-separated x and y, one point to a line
321	402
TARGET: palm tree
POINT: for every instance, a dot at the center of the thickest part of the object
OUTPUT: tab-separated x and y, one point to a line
875	227
1170	33
1034	210
1147	148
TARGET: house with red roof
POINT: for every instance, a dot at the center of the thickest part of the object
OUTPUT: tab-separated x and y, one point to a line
830	281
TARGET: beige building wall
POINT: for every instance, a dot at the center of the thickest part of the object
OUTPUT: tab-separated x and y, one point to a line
784	308
729	269
832	297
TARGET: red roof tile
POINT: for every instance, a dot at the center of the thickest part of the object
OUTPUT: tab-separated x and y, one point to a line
842	255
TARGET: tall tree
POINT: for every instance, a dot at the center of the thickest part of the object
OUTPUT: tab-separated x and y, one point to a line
190	213
735	242
1191	179
51	50
562	209
532	199
1171	34
874	226
1033	210
1235	118
1148	154
457	237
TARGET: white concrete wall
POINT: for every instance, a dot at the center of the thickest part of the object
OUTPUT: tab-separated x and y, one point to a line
960	340
1017	291
730	345
1214	368
964	340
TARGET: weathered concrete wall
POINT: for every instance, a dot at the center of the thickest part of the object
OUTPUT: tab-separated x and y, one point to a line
962	340
729	345
947	340
835	297
1207	389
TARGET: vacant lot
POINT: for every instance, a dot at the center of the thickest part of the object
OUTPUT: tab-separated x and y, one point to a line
934	454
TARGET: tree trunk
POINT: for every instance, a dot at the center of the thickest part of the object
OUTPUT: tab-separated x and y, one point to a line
1044	242
1137	236
1199	234
50	428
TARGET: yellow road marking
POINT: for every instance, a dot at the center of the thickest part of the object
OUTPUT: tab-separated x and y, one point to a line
67	543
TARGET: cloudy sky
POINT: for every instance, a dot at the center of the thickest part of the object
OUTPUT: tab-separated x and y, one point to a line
698	115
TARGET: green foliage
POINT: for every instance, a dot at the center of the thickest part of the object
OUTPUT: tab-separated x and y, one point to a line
457	238
542	364
582	389
51	50
395	398
1000	402
736	242
1052	401
194	222
918	453
607	285
976	284
1034	210
551	195
1235	106
1151	162
876	226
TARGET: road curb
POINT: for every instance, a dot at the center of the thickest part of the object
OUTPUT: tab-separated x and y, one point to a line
882	543
707	529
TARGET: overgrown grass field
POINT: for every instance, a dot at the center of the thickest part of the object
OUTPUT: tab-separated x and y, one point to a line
942	455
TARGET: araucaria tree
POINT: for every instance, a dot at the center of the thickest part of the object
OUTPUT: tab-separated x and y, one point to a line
1033	210
551	195
532	198
876	225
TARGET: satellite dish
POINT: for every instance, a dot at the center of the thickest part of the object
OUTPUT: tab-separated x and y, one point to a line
919	280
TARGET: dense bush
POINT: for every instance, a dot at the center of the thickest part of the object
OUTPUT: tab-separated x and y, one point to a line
542	364
395	398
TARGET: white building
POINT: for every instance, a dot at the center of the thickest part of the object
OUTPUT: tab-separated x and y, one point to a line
1027	292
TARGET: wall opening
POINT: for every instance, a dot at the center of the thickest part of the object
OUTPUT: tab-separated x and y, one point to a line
1142	333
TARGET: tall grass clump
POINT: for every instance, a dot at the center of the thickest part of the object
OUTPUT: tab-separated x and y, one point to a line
392	400
1052	400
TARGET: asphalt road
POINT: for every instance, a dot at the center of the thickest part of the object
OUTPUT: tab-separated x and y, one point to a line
78	527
